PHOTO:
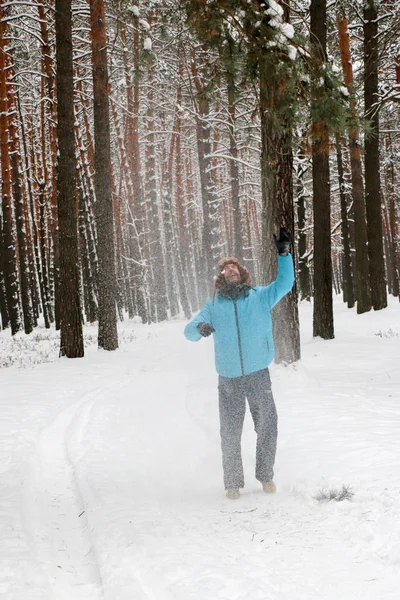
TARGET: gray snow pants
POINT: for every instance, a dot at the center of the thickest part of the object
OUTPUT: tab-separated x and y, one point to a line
233	392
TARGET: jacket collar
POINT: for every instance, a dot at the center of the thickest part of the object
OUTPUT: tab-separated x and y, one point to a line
234	291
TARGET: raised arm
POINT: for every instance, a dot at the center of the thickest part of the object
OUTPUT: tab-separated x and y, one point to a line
272	293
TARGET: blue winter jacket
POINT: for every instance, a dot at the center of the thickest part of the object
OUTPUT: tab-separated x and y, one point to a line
243	341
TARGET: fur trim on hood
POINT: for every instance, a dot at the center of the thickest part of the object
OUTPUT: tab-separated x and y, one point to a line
220	282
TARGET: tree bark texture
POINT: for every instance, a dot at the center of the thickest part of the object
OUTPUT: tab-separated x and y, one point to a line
372	167
323	303
360	224
277	211
303	260
211	244
234	168
136	240
70	305
108	336
10	266
158	271
348	288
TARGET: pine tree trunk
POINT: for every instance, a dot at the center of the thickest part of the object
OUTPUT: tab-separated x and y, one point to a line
168	228
211	230
124	245
89	277
51	161
44	208
234	168
19	204
181	242
108	335
35	205
360	225
10	267
393	227
348	288
286	315
159	294
268	176
323	303
30	230
4	317
277	208
43	245
304	267
190	257
372	167
136	265
69	300
387	248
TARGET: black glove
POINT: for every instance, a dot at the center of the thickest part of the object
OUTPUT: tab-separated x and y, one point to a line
284	240
205	329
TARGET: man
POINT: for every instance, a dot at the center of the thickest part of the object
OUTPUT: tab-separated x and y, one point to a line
240	321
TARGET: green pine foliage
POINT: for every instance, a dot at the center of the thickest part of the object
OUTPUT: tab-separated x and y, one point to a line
246	39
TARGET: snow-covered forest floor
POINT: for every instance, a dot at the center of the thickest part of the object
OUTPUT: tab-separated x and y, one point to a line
111	483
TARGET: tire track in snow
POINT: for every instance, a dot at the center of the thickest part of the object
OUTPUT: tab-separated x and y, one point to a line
53	508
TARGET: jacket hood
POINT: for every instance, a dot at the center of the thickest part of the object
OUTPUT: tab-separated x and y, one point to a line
220	282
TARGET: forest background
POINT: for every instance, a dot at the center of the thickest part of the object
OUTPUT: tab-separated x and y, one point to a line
142	141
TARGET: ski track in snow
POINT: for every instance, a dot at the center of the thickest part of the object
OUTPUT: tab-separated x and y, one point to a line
53	508
122	493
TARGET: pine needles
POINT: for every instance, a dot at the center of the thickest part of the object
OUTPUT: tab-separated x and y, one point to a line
345	493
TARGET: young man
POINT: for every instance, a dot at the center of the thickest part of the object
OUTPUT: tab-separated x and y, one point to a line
240	321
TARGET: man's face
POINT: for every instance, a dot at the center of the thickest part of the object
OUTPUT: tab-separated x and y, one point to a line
231	273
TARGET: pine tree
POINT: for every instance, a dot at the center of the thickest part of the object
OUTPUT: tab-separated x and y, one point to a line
108	336
323	304
70	306
372	166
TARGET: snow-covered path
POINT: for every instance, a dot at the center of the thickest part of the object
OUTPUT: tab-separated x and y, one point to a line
111	474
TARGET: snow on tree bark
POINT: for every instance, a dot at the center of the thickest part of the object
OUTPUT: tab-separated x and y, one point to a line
108	336
71	343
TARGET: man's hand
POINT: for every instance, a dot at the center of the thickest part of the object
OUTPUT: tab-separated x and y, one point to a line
205	329
283	242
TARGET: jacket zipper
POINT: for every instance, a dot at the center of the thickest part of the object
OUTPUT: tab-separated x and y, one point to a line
238	332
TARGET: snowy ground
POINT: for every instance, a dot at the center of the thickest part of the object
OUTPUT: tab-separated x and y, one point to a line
111	472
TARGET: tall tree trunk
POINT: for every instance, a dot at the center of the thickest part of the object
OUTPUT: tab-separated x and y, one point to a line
348	288
323	303
4	318
155	235
125	245
393	223
36	208
277	204
19	204
191	254
234	165
136	266
70	305
285	314
168	226
303	259
268	175
372	168
48	71
108	335
360	225
30	229
211	230
10	267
